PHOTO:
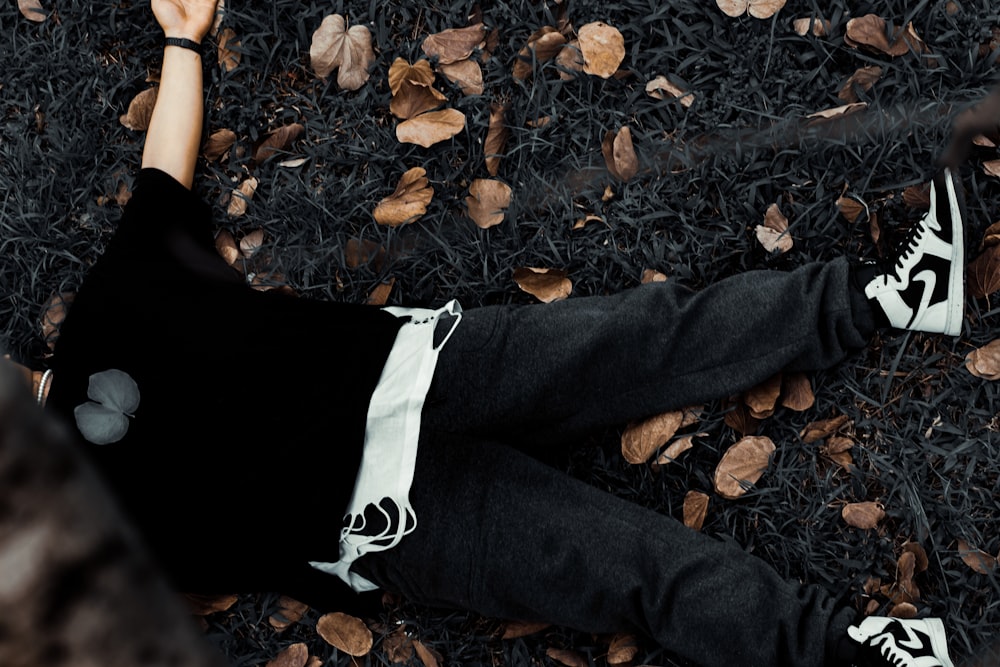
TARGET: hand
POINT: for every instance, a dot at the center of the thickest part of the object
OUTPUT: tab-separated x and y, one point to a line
30	377
983	118
190	19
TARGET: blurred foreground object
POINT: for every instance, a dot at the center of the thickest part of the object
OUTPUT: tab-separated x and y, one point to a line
982	118
76	586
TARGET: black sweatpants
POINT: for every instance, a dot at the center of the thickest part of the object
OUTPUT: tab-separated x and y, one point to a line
507	536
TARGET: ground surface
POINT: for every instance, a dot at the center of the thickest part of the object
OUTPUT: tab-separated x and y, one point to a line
924	428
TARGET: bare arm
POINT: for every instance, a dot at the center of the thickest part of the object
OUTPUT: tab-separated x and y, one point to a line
174	135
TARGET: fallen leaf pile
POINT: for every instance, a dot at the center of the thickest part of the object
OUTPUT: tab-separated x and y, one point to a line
416	103
452	50
903	594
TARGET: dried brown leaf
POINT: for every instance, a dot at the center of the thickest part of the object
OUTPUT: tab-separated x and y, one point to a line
739	419
140	110
675	449
991	236
695	509
278	141
226	246
838	112
921	562
864	515
542	46
290	611
903	610
582	222
203	605
295	655
345	632
977	559
875	231
398	648
906	568
53	313
32	10
358	252
412	89
871	32
567	657
984	361
623	648
228	51
773	234
454	44
851	208
218	143
762	398
691	415
917	197
401	72
652	276
836	444
602	47
742	464
546	285
619	154
431	127
863	78
467	74
640	440
488	199
984	272
380	295
820	27
517	629
796	392
496	137
570	60
241	197
427	655
662	88
823	428
408	201
348	50
220	14
760	9
252	242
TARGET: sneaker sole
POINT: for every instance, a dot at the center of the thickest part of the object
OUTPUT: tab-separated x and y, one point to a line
956	281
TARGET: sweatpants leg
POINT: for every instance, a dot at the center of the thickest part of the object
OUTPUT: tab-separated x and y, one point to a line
552	371
503	535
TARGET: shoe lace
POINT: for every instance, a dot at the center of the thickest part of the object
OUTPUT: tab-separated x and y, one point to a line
907	247
889	651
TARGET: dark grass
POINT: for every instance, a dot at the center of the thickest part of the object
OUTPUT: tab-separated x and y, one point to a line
66	81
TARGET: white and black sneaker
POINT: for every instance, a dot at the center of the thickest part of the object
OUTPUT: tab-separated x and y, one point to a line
895	642
924	289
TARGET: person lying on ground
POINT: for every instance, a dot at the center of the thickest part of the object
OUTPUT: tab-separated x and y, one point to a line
402	442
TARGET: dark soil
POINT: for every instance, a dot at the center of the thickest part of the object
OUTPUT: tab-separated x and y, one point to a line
924	426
